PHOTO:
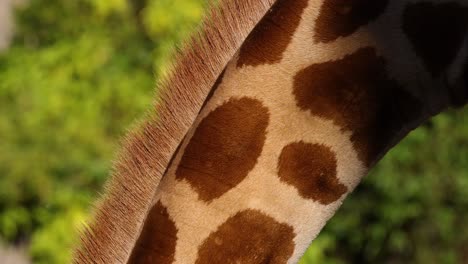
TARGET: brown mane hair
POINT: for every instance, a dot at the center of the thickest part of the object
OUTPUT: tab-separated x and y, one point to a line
147	150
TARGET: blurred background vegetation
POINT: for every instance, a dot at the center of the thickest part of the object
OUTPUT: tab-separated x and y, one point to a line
80	72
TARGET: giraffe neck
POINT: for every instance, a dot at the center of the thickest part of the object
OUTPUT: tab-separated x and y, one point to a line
318	92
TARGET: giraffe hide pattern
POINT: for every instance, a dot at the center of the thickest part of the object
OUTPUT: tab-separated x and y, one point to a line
148	148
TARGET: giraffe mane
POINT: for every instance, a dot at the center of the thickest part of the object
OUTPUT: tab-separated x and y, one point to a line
147	150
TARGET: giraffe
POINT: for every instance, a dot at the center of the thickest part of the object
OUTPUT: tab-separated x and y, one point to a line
300	101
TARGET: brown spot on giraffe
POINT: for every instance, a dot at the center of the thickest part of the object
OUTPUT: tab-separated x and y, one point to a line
270	38
248	237
225	147
436	32
341	18
157	241
311	169
356	94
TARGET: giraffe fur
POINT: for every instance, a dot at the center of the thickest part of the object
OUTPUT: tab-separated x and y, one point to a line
316	94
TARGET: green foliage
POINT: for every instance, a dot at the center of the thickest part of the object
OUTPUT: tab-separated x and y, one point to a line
57	231
80	72
159	19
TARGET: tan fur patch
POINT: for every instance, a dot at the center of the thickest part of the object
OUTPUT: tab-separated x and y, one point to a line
224	147
249	237
356	93
436	32
311	168
270	38
341	18
157	240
